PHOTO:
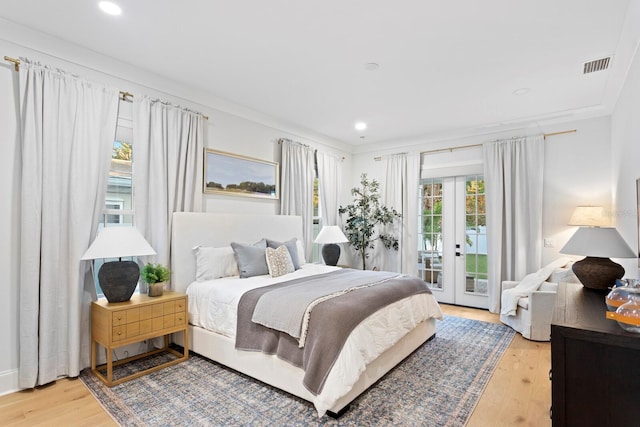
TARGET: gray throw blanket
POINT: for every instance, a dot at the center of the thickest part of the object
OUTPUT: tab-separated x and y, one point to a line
330	324
287	308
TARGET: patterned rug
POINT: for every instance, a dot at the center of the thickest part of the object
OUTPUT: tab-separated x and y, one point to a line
438	385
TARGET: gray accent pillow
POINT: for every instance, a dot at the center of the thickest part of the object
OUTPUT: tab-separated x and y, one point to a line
292	247
251	259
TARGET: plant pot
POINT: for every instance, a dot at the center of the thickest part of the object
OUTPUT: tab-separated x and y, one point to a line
155	289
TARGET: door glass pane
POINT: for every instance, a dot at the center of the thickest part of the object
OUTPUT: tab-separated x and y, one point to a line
430	239
476	236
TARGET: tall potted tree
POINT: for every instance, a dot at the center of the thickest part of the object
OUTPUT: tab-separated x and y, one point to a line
363	217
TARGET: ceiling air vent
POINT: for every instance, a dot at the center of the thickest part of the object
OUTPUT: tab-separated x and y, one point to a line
596	65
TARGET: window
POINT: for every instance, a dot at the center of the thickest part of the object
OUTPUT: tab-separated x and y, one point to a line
118	208
118	204
430	231
316	219
476	232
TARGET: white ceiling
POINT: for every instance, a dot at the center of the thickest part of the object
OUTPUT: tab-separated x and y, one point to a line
443	65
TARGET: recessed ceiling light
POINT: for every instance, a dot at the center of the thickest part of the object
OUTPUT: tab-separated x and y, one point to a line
110	8
371	66
361	126
521	91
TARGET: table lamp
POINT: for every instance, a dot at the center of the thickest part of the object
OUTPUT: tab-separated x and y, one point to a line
329	236
597	242
118	279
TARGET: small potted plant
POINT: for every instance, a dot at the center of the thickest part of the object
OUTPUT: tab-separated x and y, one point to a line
155	275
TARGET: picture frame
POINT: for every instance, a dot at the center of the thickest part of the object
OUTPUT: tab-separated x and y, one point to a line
235	175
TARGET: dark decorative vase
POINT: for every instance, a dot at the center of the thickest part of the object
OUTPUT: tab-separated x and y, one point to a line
597	273
118	280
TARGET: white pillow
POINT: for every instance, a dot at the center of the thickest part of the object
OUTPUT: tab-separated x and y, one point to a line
301	258
214	263
279	261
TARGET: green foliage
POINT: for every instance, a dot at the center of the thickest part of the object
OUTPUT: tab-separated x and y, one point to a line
364	215
122	151
248	187
154	273
432	224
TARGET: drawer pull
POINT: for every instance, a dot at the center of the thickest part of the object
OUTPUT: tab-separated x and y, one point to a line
119	332
119	318
550	375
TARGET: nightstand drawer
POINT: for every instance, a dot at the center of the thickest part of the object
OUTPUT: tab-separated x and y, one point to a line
181	318
119	317
119	333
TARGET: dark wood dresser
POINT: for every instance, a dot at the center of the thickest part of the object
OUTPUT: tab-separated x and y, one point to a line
595	364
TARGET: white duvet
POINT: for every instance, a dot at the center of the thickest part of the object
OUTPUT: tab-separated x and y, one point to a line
213	305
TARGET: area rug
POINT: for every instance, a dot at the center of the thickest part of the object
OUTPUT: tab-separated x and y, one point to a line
438	385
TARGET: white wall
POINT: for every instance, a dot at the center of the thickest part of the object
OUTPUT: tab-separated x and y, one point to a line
625	138
230	127
577	169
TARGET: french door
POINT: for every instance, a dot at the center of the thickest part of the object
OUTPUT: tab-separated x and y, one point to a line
452	252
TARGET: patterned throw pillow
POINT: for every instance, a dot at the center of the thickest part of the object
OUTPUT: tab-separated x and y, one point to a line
279	261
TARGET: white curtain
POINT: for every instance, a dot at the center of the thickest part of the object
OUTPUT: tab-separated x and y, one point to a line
168	151
401	193
296	192
68	126
513	184
329	186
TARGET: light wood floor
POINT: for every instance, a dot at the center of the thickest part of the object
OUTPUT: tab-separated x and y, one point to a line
518	394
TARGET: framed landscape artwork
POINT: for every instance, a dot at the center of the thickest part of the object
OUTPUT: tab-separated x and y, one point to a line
235	175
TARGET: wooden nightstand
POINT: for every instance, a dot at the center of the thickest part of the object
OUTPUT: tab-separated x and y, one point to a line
118	324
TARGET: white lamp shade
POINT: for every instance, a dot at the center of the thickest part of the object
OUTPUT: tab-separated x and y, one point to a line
331	234
116	242
602	242
589	216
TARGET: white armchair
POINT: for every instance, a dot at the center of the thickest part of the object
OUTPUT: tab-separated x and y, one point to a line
534	311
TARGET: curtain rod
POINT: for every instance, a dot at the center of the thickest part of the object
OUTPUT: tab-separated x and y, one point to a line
123	94
377	159
16	62
462	147
281	140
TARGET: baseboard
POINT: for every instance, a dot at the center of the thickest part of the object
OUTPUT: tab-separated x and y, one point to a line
8	382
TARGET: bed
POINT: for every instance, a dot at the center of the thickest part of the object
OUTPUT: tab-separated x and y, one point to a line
216	341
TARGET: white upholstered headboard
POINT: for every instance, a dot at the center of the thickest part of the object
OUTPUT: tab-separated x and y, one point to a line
190	229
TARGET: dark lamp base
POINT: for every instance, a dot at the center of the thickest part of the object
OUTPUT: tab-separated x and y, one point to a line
597	273
330	253
118	280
